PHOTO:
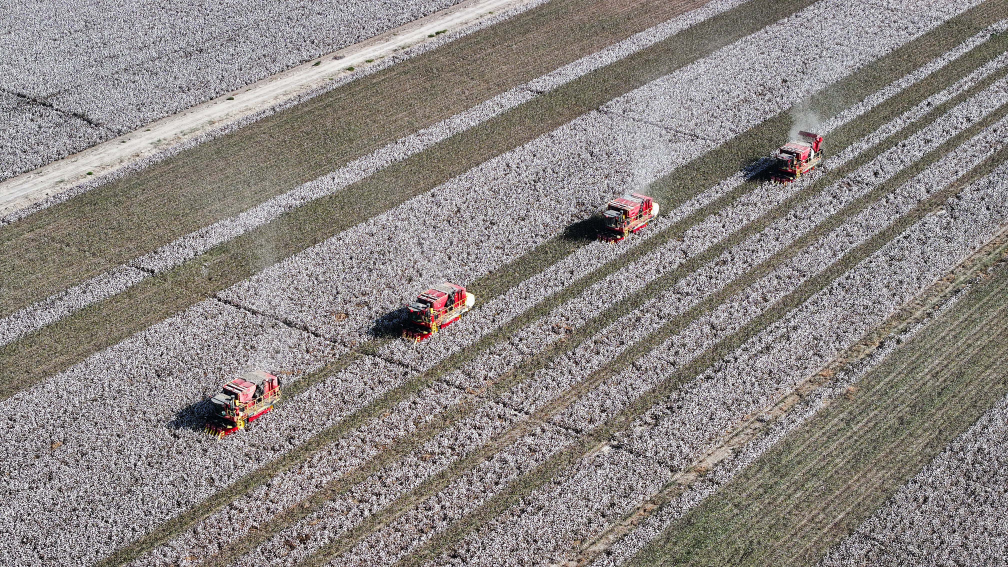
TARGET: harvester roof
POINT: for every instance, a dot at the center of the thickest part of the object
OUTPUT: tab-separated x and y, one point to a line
436	296
796	148
629	203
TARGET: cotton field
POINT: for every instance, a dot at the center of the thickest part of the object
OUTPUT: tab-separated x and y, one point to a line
600	399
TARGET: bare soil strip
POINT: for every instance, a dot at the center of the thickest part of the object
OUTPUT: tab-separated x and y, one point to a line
601	435
127	218
841	465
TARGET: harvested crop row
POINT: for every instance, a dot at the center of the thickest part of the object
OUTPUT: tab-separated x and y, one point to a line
952	512
645	373
766	365
739	458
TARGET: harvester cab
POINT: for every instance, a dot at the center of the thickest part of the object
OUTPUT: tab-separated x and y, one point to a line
241	401
626	215
797	157
435	308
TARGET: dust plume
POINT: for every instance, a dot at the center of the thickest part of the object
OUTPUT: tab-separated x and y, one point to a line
804	118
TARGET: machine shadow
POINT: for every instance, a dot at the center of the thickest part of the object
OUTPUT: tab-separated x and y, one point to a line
390	325
584	230
192	417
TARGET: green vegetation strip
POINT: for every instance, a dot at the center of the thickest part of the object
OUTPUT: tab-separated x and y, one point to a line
528	368
548	471
65	342
826	477
68	243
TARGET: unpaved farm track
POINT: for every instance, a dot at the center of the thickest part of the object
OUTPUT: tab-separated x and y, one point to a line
588	376
225	112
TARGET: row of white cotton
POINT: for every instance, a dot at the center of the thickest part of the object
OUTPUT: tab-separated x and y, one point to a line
595	353
952	513
156	58
455	332
552	523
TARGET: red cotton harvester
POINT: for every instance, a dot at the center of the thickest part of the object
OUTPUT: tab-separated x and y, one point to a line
627	215
241	401
436	308
797	157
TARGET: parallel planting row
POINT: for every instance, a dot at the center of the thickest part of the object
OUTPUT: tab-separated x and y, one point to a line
579	388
